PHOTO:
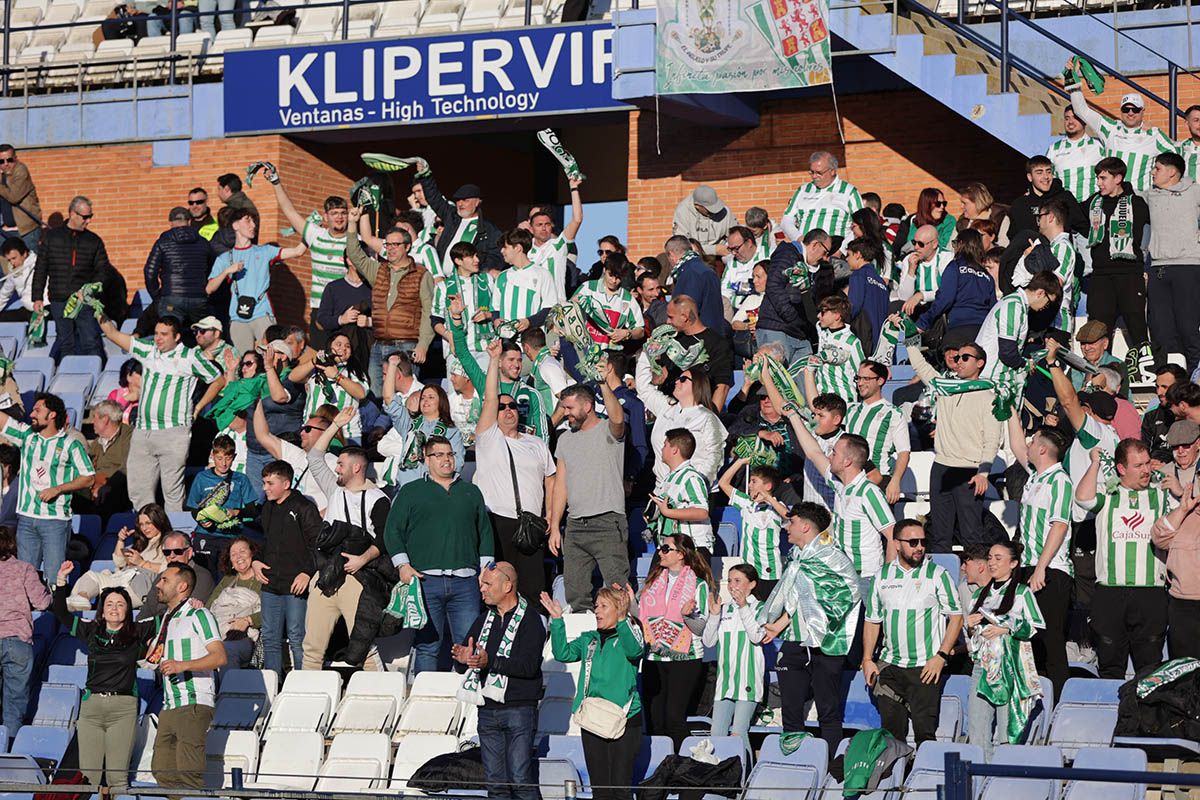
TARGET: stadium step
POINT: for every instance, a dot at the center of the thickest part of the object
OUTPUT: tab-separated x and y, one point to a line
930	54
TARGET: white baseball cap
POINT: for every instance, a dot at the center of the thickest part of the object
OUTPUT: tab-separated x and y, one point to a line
1133	99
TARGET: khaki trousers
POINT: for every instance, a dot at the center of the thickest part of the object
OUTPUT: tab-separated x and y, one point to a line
321	617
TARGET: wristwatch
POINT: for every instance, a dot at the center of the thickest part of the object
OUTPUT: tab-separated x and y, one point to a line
945	656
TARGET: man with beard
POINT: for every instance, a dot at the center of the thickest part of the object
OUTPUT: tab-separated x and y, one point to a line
590	462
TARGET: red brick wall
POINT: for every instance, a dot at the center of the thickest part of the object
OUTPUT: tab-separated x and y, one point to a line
896	143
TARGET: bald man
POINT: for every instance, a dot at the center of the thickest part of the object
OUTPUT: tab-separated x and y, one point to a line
684	316
922	271
503	661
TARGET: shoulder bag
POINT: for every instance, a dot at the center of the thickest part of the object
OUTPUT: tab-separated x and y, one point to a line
531	533
598	716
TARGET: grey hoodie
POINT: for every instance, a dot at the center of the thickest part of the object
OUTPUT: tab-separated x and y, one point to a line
1175	224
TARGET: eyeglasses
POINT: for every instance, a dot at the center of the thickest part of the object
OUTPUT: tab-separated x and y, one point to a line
666	548
175	551
511	405
197	202
308	428
1182	446
867	378
964	357
440	455
940	203
912	542
247	364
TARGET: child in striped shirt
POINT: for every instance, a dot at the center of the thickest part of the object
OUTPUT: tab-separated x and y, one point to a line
839	350
733	629
761	521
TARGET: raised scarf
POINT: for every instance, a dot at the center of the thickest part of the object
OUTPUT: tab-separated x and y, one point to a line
666	632
474	690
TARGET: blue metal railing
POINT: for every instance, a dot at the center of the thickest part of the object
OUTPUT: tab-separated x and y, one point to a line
959	775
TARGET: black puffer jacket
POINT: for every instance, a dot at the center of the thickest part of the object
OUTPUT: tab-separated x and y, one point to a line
783	307
178	264
67	259
1023	214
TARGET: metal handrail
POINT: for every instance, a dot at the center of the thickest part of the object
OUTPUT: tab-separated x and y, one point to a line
959	774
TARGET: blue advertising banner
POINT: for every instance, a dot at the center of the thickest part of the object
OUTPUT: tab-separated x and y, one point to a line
520	72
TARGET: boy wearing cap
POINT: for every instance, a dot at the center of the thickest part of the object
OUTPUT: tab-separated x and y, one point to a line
1126	139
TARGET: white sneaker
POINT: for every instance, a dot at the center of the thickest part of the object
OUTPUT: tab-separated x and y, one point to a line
78	602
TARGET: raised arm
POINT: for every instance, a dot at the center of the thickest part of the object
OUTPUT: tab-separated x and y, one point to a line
114	335
1068	400
616	412
363	224
1079	105
655	401
572	227
1016	439
286	207
808	443
262	432
490	411
726	479
1085	492
320	471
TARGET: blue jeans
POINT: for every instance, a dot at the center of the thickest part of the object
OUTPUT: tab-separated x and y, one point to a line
793	348
43	543
255	462
379	350
282	613
76	337
208	22
16	667
448	600
506	749
732	717
187	310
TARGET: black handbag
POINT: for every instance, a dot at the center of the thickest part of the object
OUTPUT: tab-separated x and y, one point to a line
531	533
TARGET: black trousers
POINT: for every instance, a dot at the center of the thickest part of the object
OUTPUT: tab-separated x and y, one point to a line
1183	630
902	697
669	689
1050	644
531	570
610	761
955	509
1174	304
806	673
1128	622
1120	294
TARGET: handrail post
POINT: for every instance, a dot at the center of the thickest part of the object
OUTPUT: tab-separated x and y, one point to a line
1116	26
1004	81
174	38
236	780
957	780
1173	97
962	12
529	13
345	20
7	41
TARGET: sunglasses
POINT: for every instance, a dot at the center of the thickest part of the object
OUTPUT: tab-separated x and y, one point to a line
308	428
509	406
247	364
964	357
912	542
683	379
919	243
489	566
174	551
666	548
1130	109
8	160
197	202
940	203
83	216
602	252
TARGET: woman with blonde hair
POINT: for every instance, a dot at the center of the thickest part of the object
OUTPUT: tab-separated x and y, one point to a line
979	204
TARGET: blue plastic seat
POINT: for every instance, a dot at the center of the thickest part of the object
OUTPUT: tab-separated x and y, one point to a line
860	713
57	705
1084	690
569	748
80	365
122	519
42	741
20	768
10	346
1079	725
114	362
947	561
1130	759
128	325
28	382
1023	788
68	650
930	765
72	384
772	780
87	526
69	674
182	521
812	753
15	330
652	752
36	363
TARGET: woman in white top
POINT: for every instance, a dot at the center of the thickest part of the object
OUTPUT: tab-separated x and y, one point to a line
689	406
733	629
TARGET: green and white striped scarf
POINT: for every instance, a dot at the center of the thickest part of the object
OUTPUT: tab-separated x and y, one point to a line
473	690
407	604
549	140
1120	227
689	254
1009	678
758	451
891	335
784	381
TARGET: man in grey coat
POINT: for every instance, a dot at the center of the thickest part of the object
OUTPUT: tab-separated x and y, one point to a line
1174	285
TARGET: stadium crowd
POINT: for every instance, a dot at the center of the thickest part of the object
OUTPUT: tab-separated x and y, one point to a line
851	385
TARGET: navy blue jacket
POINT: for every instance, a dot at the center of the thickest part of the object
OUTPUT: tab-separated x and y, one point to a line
700	283
178	264
967	293
782	307
868	293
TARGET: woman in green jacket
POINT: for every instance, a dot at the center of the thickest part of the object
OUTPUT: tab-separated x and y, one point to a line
611	655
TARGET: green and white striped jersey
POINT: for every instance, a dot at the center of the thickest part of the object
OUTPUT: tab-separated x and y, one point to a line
1023	620
479	287
741	667
759	535
1136	147
736	280
326	252
168	383
620	311
1190	150
686	487
702	598
1064	257
1008	319
912	607
1074	162
321	391
1125	553
860	515
189	633
1093	434
828	209
46	462
838	378
522	292
425	254
552	256
1045	501
929	274
885	429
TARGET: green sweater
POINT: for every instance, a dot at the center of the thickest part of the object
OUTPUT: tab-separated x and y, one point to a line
616	663
432	528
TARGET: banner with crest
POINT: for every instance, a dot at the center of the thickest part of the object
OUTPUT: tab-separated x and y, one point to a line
716	46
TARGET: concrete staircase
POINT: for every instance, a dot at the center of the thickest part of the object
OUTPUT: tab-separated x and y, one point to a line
956	72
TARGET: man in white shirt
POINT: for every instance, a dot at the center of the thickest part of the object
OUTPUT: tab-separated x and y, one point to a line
827	202
19	280
297	457
550	251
